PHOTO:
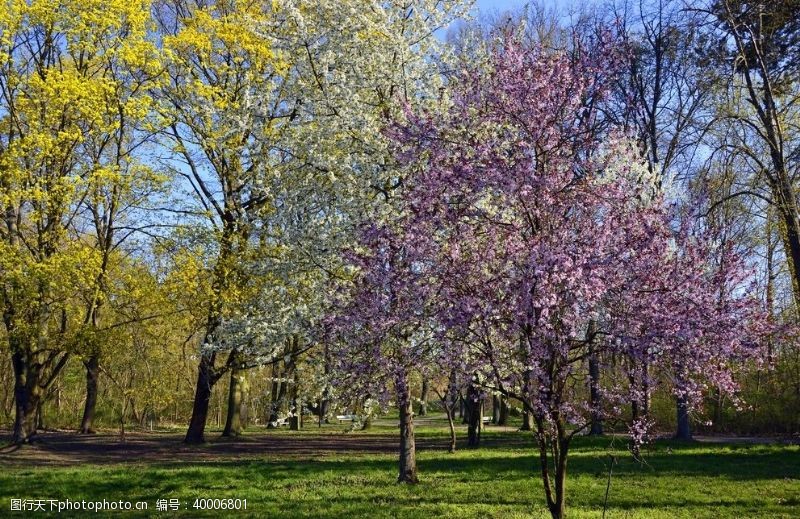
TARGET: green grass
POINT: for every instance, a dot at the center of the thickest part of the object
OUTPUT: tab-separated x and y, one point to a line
498	480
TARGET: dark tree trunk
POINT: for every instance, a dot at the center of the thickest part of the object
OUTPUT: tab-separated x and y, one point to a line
683	432
648	397
790	219
276	396
34	373
92	365
503	418
206	377
423	398
495	409
527	421
594	383
207	372
324	402
27	394
408	459
40	425
296	419
233	421
473	405
718	405
641	408
295	401
296	416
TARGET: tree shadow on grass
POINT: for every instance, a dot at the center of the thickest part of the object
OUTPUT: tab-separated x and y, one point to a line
364	486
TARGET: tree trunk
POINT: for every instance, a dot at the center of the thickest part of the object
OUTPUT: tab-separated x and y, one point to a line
790	229
719	402
648	394
324	403
233	421
295	401
503	418
202	398
527	421
474	415
296	416
451	424
558	508
276	396
495	409
423	398
408	459
92	365
594	383
207	372
450	401
367	423
40	425
554	484
26	399
683	432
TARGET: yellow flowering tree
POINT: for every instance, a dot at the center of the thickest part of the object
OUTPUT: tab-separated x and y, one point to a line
63	93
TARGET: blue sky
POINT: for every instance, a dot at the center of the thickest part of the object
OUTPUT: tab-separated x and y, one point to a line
499	5
492	6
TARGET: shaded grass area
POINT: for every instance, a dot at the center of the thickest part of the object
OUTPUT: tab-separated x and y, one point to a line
498	480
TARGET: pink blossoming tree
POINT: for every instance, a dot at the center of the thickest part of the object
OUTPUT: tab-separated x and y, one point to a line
530	244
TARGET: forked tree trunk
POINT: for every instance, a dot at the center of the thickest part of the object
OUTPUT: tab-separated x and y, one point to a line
34	373
92	365
233	421
408	458
555	482
27	394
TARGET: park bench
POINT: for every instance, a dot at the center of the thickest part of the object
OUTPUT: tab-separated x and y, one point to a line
280	422
347	418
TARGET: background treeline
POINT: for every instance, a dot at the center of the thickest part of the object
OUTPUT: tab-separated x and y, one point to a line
178	180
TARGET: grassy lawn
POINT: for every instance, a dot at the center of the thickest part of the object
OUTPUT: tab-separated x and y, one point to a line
497	480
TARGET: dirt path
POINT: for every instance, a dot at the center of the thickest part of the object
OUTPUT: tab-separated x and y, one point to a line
67	448
64	448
